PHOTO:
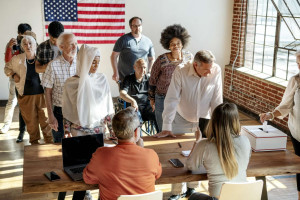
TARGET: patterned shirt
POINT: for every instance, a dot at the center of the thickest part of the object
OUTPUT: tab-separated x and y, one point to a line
162	71
55	76
44	53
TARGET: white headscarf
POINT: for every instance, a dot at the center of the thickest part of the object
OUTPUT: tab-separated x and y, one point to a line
87	100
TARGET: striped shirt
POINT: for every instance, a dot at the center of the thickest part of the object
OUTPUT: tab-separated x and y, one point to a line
45	53
55	76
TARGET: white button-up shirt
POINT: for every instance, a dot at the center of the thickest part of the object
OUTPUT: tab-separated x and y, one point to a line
193	97
55	76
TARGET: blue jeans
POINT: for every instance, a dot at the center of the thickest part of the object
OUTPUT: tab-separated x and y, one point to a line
159	108
201	196
58	135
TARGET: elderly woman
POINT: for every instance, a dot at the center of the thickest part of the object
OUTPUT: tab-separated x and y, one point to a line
87	103
173	38
30	93
290	104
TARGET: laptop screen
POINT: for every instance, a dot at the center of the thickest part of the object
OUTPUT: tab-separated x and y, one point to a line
79	150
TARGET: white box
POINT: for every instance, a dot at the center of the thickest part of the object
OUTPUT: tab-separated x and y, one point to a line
274	140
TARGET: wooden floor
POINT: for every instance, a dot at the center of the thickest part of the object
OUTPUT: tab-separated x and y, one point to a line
11	171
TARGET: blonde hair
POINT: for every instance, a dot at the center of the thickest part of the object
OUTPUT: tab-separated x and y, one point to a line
223	126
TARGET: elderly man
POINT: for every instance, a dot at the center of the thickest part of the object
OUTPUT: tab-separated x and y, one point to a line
195	91
57	72
129	168
134	89
130	47
49	49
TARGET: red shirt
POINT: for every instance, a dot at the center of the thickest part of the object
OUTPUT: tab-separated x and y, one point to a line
123	170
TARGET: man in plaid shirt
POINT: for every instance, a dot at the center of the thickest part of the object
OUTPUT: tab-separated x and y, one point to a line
48	50
57	72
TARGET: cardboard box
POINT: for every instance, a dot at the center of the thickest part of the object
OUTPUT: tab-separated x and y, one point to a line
273	140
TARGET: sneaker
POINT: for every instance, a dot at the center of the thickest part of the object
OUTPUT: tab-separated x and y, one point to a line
4	129
189	191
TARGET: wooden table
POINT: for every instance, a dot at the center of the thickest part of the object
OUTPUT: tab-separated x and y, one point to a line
39	159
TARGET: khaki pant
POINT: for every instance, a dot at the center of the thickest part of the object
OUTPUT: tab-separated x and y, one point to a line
33	110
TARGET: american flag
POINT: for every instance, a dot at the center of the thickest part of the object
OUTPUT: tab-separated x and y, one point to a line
92	21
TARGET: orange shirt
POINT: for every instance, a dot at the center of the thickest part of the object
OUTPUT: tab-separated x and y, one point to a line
123	170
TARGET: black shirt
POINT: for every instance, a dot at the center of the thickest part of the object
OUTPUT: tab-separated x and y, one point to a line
135	89
33	83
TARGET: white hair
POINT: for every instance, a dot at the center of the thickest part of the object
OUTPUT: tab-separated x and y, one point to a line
61	38
29	38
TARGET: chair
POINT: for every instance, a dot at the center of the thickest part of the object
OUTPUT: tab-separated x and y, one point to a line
247	191
156	195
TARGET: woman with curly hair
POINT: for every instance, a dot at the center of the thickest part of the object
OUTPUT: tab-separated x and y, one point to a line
173	38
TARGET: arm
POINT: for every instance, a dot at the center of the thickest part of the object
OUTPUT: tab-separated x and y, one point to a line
39	68
8	70
150	63
8	51
217	97
170	104
90	171
113	59
195	159
108	122
155	73
286	104
51	119
129	99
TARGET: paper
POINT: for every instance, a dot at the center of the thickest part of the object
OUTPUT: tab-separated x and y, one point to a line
265	126
186	153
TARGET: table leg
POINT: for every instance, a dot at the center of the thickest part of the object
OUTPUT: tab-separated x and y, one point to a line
264	195
61	195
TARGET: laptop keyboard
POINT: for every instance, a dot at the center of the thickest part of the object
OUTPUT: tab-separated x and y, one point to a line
77	170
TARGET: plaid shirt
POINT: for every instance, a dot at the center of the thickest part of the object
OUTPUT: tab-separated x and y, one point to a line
55	76
44	52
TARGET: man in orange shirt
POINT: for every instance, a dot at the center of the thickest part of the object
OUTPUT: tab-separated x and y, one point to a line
127	168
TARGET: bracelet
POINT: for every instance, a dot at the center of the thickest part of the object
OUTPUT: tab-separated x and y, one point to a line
271	113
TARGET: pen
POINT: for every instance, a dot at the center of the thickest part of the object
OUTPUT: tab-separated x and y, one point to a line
179	145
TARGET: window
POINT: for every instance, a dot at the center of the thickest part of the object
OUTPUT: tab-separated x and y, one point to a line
272	37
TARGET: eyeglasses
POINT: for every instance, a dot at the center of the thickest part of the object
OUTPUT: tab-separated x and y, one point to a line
136	26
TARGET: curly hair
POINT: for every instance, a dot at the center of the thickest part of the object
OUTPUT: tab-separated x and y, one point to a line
174	31
55	28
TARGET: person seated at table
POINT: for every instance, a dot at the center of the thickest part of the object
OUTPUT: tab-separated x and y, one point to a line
127	168
224	153
87	103
134	90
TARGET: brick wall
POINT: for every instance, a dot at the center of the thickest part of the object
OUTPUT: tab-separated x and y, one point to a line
249	92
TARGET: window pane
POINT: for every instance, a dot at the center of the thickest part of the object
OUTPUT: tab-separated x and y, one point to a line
293	67
261	7
280	73
269	56
268	69
281	62
294	7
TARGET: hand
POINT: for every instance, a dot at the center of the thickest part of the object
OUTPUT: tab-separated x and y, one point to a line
140	142
12	42
164	134
16	78
52	121
134	104
68	134
115	77
265	116
198	135
152	103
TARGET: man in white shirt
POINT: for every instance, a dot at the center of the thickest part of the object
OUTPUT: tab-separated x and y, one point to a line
195	91
57	72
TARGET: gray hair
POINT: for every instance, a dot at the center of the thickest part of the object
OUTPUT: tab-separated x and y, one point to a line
61	39
204	56
125	122
140	61
29	38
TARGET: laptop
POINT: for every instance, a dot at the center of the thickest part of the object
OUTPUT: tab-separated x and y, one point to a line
77	152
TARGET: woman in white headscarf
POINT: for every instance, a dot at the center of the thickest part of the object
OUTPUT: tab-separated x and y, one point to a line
87	103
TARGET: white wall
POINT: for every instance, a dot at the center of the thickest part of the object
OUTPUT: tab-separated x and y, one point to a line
208	22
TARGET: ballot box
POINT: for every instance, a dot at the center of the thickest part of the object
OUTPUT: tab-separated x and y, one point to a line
270	140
